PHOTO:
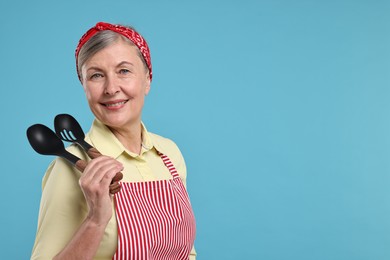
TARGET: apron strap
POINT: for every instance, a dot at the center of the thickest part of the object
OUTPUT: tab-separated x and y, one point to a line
169	165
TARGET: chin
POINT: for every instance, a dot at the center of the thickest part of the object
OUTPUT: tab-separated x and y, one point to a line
119	122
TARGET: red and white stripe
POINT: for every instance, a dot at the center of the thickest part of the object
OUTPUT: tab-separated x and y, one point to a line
155	219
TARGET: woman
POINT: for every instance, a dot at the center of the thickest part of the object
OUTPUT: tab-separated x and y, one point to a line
151	217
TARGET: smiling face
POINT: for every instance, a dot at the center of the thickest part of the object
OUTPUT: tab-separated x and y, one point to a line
116	82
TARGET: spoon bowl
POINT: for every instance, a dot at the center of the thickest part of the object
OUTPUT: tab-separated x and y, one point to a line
68	129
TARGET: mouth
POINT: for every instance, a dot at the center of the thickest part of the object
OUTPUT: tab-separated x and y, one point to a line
115	104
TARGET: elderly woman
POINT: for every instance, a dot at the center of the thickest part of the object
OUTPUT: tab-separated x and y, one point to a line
151	216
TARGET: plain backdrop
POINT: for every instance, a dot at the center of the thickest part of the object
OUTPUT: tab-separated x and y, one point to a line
281	110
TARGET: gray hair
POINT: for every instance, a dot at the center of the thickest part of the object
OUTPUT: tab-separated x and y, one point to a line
100	41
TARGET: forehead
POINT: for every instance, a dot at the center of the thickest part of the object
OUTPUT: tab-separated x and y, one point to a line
119	50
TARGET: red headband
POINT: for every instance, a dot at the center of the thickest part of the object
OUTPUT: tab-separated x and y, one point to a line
130	34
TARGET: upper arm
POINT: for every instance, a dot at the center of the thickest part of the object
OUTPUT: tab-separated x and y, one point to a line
193	254
62	209
179	163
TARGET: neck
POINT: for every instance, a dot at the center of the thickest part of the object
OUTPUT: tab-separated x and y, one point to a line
130	137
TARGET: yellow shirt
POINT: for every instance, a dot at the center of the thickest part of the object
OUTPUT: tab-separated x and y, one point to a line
63	207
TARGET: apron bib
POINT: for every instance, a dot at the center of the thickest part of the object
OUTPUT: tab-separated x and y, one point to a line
155	219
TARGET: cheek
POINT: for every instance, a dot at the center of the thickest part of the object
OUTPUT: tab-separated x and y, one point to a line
132	91
90	95
87	93
89	90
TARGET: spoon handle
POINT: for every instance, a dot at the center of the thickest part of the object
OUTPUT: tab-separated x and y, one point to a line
93	153
80	165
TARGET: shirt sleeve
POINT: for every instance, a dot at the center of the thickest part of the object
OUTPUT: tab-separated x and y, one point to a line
62	209
193	254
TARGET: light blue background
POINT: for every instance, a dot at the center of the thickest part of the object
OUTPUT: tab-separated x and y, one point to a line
281	109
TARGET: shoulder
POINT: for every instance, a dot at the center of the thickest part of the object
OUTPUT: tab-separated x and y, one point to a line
163	144
169	148
61	173
166	146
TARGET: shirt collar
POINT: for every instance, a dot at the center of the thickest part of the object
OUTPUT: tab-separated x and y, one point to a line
106	142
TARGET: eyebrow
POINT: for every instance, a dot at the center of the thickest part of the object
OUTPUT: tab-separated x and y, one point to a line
119	64
125	63
93	68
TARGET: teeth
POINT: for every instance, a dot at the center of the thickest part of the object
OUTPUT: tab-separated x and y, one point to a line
116	104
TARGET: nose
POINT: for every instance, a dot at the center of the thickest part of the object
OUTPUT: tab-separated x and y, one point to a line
112	86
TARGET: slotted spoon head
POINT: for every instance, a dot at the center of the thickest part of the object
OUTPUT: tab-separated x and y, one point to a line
68	129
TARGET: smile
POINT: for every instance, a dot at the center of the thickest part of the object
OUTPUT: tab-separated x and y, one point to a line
116	104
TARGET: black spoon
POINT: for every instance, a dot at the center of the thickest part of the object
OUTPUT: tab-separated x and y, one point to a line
44	141
68	129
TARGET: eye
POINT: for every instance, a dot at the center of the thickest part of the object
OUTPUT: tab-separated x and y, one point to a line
124	71
96	76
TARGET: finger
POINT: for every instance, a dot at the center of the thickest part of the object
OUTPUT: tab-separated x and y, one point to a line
108	177
100	184
118	176
96	171
115	190
99	166
115	187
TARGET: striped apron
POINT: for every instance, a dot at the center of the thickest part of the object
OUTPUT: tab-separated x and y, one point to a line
155	219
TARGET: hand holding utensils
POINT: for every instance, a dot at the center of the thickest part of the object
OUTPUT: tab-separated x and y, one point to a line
68	129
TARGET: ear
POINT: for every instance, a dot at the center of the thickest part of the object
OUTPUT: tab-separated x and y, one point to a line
147	84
